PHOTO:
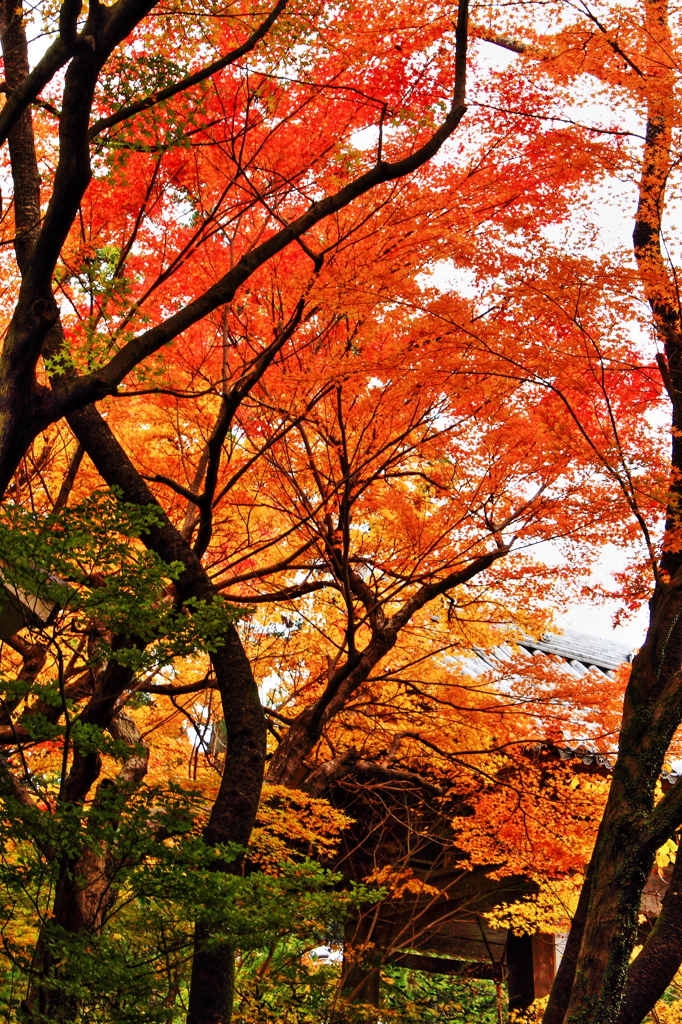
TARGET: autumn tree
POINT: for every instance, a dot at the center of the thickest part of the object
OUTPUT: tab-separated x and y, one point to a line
263	205
221	228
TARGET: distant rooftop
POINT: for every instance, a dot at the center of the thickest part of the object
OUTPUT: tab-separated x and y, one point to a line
581	647
579	652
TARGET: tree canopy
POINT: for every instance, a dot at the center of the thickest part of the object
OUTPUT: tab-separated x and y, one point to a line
314	336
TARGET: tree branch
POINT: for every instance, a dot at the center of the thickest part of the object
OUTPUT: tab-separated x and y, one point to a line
186	83
225	289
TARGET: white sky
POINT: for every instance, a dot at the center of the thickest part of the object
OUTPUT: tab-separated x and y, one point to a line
598	619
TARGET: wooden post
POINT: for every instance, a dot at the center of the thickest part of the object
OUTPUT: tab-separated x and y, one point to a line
531	966
520	980
544	963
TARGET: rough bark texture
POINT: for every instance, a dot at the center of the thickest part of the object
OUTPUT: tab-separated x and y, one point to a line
21	140
232	819
83	890
658	961
631	829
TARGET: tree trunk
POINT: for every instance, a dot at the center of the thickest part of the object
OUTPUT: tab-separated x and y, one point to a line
565	975
232	820
234	812
658	961
627	839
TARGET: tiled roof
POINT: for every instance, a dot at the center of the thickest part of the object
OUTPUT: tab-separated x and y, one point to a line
580	753
580	653
581	647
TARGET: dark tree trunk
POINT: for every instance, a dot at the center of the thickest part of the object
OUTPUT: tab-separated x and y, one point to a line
658	961
84	880
234	811
632	828
232	820
211	994
361	969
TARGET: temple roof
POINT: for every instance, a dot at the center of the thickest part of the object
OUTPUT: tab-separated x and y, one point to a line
579	652
590	651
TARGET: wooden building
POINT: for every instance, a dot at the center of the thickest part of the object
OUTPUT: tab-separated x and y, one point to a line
443	930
